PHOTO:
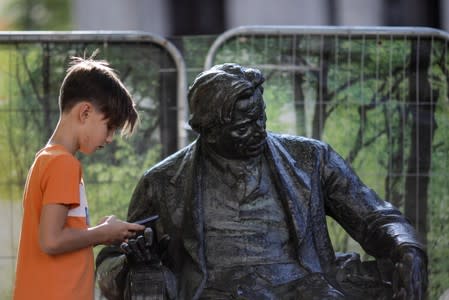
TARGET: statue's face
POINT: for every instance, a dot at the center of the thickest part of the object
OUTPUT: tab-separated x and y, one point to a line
244	137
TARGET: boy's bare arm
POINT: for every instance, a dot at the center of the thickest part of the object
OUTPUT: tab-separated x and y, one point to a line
55	238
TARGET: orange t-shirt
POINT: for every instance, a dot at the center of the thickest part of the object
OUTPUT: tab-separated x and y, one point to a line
54	177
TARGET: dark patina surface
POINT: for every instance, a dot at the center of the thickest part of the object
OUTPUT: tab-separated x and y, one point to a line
243	214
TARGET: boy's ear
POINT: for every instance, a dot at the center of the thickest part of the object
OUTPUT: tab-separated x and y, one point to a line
84	110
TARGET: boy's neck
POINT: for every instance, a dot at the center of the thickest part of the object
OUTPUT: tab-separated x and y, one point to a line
65	135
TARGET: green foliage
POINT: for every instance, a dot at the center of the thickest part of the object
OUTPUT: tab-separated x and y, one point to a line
29	113
438	206
353	92
30	77
109	185
350	91
39	15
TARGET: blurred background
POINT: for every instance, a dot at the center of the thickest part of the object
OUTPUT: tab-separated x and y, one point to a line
184	17
353	89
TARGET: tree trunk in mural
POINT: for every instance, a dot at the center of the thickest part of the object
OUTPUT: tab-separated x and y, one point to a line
396	163
421	106
299	104
46	91
322	90
168	109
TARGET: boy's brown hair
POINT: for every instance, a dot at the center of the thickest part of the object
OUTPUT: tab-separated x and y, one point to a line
96	82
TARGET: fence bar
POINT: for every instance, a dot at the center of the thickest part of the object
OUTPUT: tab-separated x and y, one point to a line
321	30
116	36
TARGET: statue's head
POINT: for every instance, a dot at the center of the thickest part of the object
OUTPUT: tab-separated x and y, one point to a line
228	111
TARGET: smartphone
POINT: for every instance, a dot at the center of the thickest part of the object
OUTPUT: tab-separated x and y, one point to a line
147	221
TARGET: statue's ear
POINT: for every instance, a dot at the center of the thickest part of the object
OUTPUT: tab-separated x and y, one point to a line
210	135
211	138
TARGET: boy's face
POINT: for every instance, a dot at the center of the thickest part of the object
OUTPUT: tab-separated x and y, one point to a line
95	133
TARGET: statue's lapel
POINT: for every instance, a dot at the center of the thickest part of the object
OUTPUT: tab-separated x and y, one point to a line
293	185
193	222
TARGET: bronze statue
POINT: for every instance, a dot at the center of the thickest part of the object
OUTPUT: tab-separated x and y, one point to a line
242	214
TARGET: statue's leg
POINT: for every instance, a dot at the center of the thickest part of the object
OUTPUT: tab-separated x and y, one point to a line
145	283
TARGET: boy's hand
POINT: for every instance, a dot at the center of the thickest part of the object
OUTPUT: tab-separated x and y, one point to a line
117	231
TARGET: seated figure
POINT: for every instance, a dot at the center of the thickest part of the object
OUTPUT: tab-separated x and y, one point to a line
243	214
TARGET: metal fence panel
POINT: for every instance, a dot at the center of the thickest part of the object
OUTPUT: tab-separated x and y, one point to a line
378	95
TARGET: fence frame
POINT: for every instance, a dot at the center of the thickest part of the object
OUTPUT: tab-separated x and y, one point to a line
320	30
11	37
8	37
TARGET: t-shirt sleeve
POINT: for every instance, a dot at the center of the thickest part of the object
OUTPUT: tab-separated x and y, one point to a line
61	181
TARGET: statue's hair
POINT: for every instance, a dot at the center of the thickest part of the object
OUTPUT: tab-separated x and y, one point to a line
214	92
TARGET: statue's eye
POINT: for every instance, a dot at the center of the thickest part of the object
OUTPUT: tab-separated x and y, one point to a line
242	130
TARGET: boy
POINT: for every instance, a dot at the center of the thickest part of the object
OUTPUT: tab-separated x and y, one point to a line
55	257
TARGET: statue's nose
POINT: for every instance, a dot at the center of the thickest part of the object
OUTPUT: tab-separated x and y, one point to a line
259	131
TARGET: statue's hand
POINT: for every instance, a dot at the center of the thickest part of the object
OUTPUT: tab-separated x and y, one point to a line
144	249
147	277
410	274
141	249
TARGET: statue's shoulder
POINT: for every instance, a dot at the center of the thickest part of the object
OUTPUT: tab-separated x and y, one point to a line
169	165
298	143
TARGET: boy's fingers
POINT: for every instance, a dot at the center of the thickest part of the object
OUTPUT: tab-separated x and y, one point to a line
130	234
136	227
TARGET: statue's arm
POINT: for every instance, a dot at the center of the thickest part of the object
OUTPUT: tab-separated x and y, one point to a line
111	272
378	226
143	199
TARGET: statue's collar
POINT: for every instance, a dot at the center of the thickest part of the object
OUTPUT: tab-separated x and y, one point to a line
237	167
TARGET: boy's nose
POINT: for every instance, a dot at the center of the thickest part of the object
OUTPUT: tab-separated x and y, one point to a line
110	137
